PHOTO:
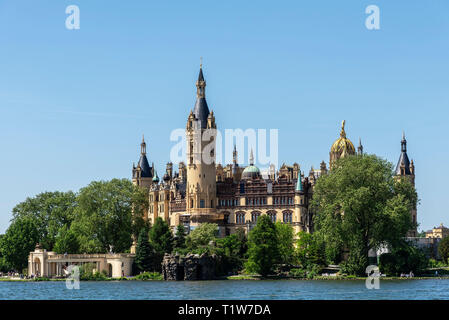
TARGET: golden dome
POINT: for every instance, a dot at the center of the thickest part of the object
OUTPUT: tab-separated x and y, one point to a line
343	145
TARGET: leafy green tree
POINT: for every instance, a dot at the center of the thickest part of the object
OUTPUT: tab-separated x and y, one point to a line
201	236
309	250
161	239
66	241
108	215
161	236
50	211
144	252
263	249
285	235
17	243
443	249
180	238
243	242
229	250
360	206
403	259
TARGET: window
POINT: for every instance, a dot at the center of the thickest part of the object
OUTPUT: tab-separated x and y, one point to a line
272	216
202	203
254	216
287	216
212	203
191	203
242	187
240	218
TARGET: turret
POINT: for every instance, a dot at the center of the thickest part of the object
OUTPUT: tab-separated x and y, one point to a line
201	171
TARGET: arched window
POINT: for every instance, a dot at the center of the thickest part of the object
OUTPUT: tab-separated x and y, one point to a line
287	216
254	216
272	216
240	218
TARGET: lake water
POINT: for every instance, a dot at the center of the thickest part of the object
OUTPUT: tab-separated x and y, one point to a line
229	289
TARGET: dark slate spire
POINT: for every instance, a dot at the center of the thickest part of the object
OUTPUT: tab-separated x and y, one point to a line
201	110
403	166
146	171
360	147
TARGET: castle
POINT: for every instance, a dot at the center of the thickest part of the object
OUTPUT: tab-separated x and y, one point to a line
234	196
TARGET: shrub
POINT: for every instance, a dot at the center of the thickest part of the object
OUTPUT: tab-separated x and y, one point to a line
150	276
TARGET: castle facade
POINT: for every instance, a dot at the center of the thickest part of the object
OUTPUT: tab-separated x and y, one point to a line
235	196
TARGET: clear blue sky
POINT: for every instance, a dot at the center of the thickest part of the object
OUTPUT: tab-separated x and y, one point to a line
74	104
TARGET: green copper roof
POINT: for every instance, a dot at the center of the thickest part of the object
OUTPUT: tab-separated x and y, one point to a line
155	178
251	172
299	183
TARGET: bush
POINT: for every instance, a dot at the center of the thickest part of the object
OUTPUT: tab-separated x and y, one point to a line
150	276
298	273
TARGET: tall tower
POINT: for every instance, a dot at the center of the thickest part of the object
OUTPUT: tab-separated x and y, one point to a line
143	173
201	188
406	169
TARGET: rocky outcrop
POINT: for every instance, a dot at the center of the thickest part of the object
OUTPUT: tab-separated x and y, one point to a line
189	267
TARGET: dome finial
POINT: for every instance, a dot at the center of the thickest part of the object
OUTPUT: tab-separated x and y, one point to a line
251	158
342	132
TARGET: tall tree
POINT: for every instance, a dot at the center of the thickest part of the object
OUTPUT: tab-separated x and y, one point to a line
107	215
180	238
443	249
144	252
19	240
360	206
263	249
161	239
285	235
50	211
161	236
66	241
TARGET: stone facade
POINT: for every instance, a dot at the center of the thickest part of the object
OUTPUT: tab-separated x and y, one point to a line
50	264
189	267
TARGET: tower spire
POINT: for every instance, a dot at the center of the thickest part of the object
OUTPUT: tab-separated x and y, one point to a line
403	143
143	146
360	147
234	155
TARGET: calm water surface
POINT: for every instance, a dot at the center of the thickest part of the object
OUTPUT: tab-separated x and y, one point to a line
229	289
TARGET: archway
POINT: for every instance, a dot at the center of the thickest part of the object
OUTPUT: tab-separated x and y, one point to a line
109	270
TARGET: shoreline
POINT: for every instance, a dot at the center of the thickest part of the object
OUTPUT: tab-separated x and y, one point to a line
239	278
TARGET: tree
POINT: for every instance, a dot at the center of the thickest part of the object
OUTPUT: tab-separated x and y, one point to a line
443	249
161	236
263	249
403	259
144	252
180	238
108	215
309	250
360	206
161	239
285	235
50	211
228	249
17	243
66	241
201	236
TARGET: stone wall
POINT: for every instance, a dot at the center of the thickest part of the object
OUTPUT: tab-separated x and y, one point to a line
189	267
